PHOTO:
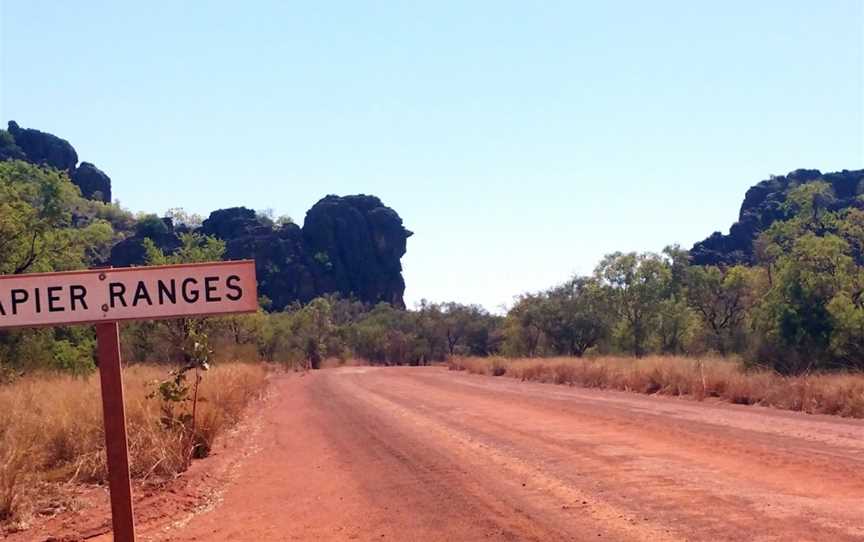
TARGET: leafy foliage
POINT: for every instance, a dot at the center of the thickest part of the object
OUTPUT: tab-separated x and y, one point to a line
637	284
45	225
175	393
37	229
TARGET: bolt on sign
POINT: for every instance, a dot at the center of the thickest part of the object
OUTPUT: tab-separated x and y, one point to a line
105	297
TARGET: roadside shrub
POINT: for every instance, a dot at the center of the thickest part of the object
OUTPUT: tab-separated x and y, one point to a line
837	394
51	429
497	368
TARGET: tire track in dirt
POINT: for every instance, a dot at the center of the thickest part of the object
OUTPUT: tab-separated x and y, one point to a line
517	482
426	454
679	473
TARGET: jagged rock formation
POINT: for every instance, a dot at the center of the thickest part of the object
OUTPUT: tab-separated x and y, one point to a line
285	271
130	251
763	205
92	181
39	147
235	223
348	245
44	148
357	243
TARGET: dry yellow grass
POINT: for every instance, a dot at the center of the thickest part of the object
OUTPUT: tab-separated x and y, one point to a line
51	429
837	394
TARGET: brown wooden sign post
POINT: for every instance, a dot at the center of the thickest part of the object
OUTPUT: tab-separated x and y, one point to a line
106	296
114	414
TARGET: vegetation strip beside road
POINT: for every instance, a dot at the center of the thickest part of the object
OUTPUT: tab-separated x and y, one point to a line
697	378
51	431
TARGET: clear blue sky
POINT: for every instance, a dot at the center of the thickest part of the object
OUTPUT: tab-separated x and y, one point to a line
520	140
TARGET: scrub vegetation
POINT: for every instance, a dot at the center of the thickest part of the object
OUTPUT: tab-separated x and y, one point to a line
797	310
695	378
51	431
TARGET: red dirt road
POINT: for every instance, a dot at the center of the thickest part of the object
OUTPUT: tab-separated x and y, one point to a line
425	454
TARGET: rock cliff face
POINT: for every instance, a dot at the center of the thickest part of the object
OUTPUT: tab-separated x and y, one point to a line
358	243
130	251
348	245
286	270
42	148
92	181
763	205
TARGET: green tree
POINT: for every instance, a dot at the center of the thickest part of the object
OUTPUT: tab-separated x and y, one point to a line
45	225
847	337
430	326
388	336
181	217
523	326
576	316
637	283
465	328
676	325
151	226
794	318
810	202
37	232
722	299
314	329
303	336
194	248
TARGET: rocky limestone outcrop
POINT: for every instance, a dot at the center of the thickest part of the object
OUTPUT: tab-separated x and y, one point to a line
235	223
763	205
286	271
131	251
349	245
42	148
92	181
358	244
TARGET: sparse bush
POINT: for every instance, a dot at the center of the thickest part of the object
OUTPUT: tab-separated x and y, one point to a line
837	394
51	429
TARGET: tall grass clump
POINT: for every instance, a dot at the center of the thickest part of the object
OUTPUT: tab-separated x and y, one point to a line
840	394
51	429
